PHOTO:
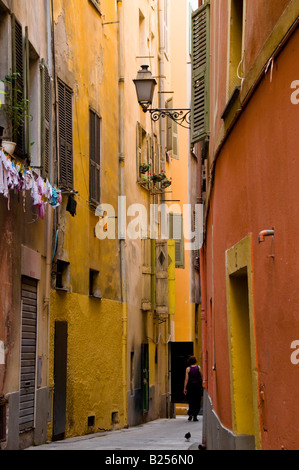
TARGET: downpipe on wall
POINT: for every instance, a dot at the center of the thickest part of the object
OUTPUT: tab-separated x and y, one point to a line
122	193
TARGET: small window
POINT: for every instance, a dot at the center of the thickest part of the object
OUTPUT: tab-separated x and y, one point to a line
63	276
94	157
236	51
94	283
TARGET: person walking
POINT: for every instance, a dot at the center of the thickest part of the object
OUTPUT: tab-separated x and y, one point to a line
193	388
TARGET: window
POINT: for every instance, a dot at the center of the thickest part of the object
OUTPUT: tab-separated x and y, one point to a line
94	283
143	151
63	276
172	133
200	73
65	131
235	45
94	157
176	232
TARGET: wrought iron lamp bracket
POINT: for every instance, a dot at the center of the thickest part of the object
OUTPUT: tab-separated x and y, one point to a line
180	116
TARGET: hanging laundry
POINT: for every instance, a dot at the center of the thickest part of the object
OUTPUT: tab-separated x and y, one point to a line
71	205
14	176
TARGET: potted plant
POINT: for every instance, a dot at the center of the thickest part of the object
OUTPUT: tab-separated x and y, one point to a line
15	110
166	183
158	177
144	168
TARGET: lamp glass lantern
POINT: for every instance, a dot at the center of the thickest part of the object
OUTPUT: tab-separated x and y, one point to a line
145	87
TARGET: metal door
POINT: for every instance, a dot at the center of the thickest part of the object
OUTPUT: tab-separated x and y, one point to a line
28	353
60	377
179	354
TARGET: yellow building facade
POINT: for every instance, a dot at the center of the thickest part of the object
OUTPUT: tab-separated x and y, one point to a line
86	340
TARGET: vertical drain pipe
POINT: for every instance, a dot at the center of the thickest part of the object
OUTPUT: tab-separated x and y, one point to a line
122	241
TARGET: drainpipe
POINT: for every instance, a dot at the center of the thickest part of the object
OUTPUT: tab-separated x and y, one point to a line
49	219
265	233
122	241
204	317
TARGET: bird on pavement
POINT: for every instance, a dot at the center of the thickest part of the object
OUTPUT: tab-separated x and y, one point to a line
187	436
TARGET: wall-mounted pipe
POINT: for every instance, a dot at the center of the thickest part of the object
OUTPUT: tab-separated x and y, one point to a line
265	233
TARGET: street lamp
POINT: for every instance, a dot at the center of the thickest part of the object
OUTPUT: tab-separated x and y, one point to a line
145	86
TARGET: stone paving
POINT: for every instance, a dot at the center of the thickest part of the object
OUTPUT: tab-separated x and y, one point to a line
162	434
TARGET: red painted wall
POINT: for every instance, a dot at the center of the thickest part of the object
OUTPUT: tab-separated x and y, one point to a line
256	187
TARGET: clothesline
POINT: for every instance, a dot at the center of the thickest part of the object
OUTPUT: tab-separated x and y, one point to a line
14	176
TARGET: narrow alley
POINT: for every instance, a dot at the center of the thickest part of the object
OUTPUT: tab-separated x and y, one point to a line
161	434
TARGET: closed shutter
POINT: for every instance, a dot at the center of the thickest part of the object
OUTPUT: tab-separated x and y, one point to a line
146	302
176	232
161	271
18	134
45	120
65	125
94	157
28	353
172	133
200	73
28	118
138	150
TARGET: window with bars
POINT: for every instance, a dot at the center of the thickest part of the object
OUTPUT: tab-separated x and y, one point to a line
200	73
94	157
65	131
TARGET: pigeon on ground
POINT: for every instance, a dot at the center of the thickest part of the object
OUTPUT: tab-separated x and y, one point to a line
187	436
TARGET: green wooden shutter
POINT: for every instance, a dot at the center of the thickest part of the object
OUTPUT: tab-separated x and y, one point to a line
65	128
45	120
18	135
200	73
27	87
176	232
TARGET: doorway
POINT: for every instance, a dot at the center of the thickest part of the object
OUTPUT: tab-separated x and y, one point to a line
179	354
60	380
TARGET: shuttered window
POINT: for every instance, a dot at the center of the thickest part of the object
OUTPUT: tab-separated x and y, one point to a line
176	232
161	273
94	157
200	73
28	353
45	120
18	134
65	129
172	132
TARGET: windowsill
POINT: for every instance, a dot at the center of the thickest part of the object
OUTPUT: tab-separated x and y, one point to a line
62	289
96	6
235	95
98	297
